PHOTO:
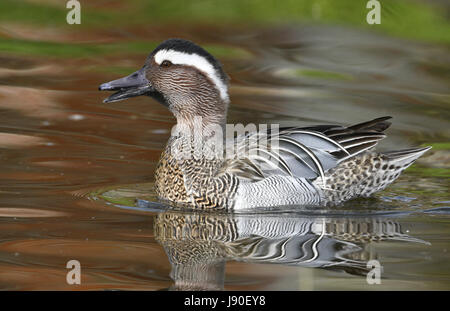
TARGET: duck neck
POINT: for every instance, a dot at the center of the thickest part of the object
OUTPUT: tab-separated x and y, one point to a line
203	125
198	138
199	113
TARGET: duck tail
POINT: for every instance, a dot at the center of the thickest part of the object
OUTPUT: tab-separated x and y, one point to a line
393	163
365	174
404	158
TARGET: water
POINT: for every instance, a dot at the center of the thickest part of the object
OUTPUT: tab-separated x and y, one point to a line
63	152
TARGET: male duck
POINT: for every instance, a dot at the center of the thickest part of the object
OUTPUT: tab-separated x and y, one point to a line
313	166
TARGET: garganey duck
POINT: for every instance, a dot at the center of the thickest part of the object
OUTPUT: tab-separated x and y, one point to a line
199	168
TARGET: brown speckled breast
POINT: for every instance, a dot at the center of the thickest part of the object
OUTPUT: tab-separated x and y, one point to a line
207	189
169	182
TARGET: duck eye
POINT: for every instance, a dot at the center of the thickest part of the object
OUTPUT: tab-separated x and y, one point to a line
166	63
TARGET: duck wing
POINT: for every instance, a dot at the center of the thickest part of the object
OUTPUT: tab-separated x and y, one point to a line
302	152
356	138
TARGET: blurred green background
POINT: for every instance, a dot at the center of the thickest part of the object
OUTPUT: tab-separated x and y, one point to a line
417	20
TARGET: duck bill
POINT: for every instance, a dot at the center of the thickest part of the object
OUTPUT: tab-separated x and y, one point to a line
136	84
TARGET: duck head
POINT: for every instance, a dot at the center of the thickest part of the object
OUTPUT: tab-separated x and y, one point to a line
182	76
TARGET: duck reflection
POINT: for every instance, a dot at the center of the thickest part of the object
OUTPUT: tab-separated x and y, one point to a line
198	245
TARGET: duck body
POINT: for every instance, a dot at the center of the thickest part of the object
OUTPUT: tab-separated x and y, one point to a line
355	171
312	166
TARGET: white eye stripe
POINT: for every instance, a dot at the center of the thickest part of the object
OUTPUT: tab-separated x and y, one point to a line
197	61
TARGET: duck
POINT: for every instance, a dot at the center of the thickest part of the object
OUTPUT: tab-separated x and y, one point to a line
205	167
